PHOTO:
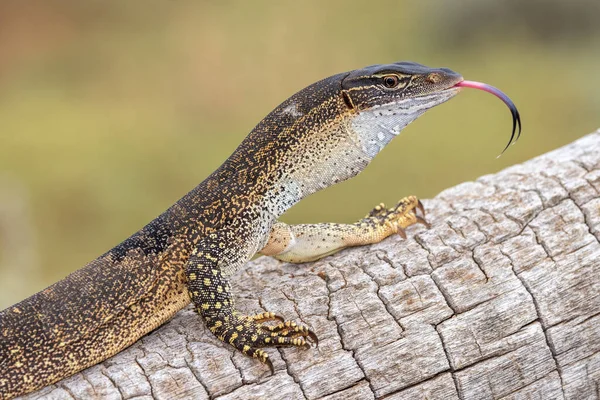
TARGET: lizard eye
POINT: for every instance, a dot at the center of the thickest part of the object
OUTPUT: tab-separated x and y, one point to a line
391	81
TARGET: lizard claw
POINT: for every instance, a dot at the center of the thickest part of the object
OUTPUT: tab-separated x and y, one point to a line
420	208
402	233
270	364
421	220
313	338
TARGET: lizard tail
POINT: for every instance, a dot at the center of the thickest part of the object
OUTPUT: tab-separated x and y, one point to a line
86	318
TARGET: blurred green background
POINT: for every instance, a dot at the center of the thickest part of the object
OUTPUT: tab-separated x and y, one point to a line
112	110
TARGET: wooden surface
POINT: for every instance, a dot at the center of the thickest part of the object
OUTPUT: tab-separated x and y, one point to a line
499	299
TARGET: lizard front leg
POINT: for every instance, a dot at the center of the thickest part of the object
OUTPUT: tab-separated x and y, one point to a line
210	292
309	242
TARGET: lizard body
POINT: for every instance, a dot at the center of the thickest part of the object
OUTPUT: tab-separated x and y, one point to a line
324	134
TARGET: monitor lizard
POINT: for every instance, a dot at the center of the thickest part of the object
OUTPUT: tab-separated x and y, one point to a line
322	135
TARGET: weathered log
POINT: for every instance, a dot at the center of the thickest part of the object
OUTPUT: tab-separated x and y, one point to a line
499	299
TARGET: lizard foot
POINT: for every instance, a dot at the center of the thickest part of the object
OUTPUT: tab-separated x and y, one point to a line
396	219
248	334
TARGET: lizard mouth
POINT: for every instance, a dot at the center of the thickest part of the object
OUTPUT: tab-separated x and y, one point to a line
511	106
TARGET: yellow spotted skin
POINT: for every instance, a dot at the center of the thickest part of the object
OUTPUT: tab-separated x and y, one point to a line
322	135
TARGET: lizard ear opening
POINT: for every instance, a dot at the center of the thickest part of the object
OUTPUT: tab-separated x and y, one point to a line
347	99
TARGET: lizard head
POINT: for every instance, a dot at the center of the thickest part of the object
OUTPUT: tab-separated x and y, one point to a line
403	83
383	99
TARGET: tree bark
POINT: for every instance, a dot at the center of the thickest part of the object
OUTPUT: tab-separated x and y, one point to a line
499	299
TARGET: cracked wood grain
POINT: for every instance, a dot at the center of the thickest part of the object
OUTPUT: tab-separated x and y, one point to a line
500	299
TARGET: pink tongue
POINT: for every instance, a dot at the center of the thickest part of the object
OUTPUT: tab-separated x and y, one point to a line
496	92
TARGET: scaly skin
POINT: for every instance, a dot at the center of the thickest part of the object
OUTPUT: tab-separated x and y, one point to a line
322	135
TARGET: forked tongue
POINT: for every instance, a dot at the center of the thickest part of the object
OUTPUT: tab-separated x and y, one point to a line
496	92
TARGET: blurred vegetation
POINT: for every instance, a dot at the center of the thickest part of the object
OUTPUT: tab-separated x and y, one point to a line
111	111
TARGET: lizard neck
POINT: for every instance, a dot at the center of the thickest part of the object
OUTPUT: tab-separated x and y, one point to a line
301	147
